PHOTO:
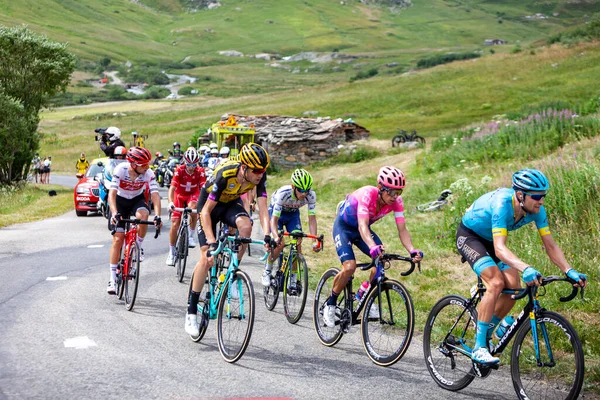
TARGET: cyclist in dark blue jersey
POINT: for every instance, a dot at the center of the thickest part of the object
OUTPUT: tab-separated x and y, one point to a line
481	240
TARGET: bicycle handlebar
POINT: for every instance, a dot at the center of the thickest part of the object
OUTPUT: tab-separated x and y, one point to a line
391	257
297	235
546	281
137	221
185	210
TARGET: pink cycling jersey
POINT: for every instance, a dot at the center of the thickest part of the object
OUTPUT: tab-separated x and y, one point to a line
362	203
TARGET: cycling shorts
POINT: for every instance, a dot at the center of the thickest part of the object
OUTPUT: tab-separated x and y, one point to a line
480	253
226	213
183	200
127	208
290	220
344	236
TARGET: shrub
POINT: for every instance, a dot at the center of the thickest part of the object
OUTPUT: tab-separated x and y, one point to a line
364	74
438	59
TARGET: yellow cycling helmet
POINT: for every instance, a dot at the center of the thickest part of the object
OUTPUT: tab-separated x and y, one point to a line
254	156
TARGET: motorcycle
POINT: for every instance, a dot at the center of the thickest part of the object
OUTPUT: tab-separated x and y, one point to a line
170	170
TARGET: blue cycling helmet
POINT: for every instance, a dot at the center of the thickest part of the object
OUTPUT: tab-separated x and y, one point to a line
530	180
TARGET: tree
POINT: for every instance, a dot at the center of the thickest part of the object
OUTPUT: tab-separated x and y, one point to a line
33	68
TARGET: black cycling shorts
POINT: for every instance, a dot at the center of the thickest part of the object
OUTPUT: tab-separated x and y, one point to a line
226	213
127	208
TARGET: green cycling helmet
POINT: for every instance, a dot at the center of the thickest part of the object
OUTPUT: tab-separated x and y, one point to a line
302	180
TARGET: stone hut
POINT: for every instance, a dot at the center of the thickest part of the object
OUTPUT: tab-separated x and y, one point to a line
293	141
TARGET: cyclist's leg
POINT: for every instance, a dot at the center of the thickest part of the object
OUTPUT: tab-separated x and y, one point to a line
365	249
294	224
343	237
505	302
179	202
236	215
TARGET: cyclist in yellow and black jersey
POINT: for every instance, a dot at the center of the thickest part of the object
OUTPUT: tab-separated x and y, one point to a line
220	201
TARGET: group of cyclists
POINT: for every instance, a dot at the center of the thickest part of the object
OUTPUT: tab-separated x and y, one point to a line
480	238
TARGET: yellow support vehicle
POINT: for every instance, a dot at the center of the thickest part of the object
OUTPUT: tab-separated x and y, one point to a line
229	133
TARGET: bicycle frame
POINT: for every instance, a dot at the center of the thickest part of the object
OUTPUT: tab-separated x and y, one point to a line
287	263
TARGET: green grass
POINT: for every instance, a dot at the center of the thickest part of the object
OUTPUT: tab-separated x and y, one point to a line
20	204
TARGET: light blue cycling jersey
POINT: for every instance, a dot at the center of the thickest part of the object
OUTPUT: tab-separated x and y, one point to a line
493	214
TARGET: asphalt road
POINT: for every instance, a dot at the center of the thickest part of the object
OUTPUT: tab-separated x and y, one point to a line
62	336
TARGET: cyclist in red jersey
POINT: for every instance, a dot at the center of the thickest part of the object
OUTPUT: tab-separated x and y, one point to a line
184	192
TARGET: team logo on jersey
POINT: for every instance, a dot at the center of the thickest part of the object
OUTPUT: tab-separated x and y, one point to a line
231	185
460	241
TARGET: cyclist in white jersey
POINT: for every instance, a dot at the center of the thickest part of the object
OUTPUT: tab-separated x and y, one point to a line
126	196
284	211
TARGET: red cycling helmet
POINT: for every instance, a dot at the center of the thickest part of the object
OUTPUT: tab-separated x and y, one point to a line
139	156
391	178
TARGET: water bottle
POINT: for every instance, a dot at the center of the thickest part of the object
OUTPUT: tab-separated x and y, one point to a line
364	287
503	327
220	280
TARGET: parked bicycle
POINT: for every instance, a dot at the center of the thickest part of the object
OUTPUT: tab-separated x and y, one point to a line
181	245
228	296
291	278
128	270
387	324
547	357
435	205
403	137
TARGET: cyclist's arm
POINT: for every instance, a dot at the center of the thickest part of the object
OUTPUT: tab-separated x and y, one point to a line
312	225
365	232
263	213
275	226
507	256
112	201
156	203
404	236
555	253
171	194
207	221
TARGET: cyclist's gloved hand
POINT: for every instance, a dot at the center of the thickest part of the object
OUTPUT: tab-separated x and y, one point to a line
375	251
171	206
576	276
415	253
317	247
115	218
157	221
531	276
268	241
212	247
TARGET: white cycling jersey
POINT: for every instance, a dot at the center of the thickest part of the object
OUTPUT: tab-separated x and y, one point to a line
284	200
128	188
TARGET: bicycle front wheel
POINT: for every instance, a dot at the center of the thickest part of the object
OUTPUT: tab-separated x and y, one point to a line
202	309
328	336
271	292
558	374
236	317
131	280
387	326
182	252
448	340
295	291
397	140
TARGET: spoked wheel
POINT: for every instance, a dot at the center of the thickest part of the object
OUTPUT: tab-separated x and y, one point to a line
130	282
447	341
328	336
387	326
119	284
560	374
181	253
203	309
397	140
295	290
235	317
420	139
271	293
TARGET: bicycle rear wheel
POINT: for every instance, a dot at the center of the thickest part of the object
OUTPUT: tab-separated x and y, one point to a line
130	282
420	139
294	297
561	374
235	318
387	334
328	336
202	309
450	326
181	250
271	293
119	281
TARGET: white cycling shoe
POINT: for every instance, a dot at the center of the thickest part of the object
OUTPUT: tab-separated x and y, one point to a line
483	356
191	325
329	316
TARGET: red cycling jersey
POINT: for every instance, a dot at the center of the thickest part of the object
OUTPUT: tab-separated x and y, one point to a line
187	184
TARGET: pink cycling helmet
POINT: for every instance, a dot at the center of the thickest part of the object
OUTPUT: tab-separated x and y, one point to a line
391	177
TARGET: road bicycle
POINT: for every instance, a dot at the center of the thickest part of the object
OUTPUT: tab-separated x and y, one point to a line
547	357
228	296
288	265
181	245
388	322
403	137
435	205
128	269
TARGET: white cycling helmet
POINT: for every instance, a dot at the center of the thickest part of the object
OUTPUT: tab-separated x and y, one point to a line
113	133
224	151
204	149
214	151
191	156
214	146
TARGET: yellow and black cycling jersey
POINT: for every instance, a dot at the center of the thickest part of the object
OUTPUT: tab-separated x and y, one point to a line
223	185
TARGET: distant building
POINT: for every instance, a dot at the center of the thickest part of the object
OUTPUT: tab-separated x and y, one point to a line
494	42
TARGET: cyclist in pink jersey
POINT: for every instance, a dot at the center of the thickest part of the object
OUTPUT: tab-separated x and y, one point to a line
352	226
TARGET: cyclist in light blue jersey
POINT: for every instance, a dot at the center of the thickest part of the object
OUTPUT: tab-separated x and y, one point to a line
481	240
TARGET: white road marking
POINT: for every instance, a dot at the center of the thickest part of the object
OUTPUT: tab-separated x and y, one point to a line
95	246
79	342
56	278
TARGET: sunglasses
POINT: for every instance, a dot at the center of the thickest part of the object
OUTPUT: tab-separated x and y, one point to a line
145	166
536	197
191	165
258	171
303	191
393	192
